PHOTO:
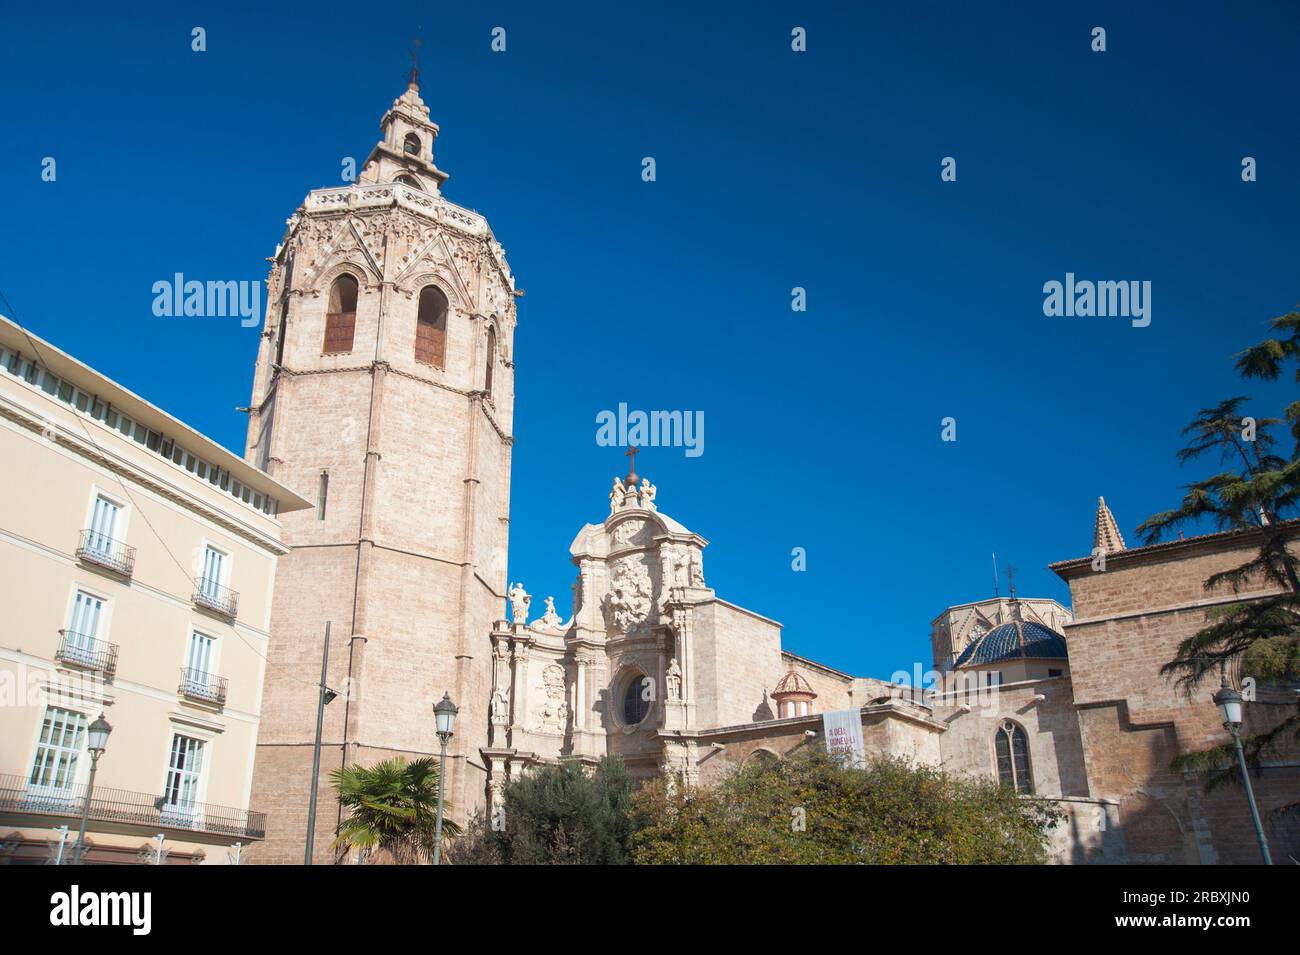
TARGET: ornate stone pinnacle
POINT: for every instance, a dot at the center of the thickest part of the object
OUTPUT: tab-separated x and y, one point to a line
1106	535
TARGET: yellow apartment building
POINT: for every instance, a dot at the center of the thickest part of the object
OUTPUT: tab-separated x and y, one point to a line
137	561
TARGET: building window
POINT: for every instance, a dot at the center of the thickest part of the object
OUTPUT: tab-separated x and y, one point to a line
410	181
62	736
636	703
411	144
1012	748
322	492
431	327
83	630
341	316
1053	671
491	360
183	770
214	567
103	526
199	662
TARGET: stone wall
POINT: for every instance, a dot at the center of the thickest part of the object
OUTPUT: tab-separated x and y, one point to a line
1129	621
737	663
1051	726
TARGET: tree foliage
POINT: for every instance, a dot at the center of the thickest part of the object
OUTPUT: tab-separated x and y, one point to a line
556	815
812	809
392	809
1256	491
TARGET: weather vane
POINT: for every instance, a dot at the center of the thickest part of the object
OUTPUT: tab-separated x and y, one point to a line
415	60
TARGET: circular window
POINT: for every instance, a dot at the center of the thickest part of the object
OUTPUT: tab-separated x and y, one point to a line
636	703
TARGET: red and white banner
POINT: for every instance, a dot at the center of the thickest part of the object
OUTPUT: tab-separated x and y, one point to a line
843	729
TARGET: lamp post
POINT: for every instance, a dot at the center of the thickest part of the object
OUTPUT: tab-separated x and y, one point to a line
444	712
97	735
1228	701
324	698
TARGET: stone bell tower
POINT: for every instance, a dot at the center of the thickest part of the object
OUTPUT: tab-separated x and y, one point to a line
384	388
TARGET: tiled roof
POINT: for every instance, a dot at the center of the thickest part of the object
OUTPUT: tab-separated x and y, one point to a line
792	682
1017	640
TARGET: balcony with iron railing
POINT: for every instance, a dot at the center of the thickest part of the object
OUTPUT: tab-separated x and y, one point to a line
210	595
103	551
21	802
203	687
87	653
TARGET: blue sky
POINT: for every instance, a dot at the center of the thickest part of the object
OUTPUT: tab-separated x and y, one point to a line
775	170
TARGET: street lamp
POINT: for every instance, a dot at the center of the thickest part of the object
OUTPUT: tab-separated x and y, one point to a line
444	712
1228	701
97	735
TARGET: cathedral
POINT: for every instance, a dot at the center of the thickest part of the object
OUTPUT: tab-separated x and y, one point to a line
384	390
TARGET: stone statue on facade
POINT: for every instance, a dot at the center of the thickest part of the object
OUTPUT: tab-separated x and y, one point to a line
500	707
617	495
673	677
550	619
648	492
519	601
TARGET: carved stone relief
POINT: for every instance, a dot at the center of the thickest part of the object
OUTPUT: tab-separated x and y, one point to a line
627	606
553	712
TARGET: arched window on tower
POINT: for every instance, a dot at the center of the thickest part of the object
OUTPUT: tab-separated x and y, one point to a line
431	327
411	181
411	144
341	316
491	360
1011	745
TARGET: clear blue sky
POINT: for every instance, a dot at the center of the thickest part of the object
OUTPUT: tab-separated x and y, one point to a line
775	169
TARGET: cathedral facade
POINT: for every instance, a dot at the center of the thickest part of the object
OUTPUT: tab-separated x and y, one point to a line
384	386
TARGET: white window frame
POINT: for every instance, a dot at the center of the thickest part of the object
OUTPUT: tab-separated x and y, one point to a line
121	522
80	770
124	511
104	623
214	652
227	562
185	815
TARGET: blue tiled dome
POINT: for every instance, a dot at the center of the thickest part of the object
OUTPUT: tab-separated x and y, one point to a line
1017	640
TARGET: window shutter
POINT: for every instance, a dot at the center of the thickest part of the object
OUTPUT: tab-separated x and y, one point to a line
341	316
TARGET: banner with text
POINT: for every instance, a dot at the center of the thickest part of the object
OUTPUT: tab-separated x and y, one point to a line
843	729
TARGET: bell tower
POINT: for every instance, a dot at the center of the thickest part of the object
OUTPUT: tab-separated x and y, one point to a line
384	388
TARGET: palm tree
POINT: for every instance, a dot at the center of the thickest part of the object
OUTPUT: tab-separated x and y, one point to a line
392	807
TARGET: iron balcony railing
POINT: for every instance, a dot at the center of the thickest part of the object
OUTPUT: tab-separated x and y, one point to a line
79	650
121	806
210	595
197	685
102	551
